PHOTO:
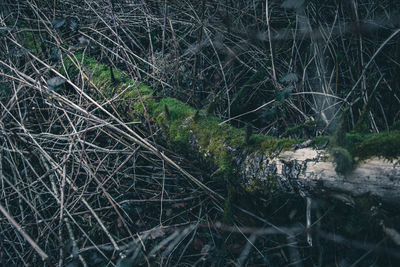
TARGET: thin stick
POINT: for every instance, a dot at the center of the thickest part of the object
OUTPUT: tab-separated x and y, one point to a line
26	236
270	46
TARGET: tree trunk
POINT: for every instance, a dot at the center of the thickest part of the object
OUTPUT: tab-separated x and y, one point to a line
261	162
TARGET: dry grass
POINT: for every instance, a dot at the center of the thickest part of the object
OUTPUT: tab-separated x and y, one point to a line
82	184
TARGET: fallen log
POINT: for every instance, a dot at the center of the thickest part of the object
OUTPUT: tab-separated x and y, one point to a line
261	162
309	171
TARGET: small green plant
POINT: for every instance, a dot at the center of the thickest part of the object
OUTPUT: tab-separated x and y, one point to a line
339	136
211	107
248	133
363	122
342	159
341	156
167	112
196	116
113	80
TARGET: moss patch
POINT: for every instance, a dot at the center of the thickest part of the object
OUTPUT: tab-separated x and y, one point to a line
216	142
363	146
342	159
345	147
358	146
99	74
320	141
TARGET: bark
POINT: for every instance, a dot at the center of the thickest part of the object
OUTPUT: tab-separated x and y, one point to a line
262	162
308	171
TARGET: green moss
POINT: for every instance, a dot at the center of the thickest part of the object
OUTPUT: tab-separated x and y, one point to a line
347	146
385	144
320	141
363	146
178	110
31	41
218	141
271	144
99	74
213	139
133	93
176	119
342	159
180	122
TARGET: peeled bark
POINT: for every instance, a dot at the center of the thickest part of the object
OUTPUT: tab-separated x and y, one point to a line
308	171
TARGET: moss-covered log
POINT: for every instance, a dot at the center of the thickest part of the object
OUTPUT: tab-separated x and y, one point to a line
309	171
260	162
